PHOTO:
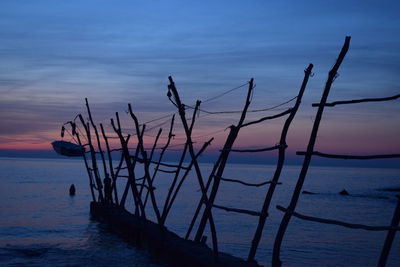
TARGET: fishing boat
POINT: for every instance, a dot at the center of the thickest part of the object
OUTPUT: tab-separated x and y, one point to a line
68	149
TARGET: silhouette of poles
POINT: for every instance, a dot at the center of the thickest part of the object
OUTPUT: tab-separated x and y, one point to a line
150	160
390	235
202	200
278	170
146	163
204	147
133	165
307	159
164	148
74	132
113	176
98	141
131	173
234	131
177	172
181	108
93	158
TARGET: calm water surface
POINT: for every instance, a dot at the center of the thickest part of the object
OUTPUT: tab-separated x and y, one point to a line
40	224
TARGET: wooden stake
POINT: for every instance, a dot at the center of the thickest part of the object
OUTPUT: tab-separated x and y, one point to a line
307	159
279	166
390	235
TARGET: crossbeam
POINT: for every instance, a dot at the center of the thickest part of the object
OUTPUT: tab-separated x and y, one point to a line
356	101
360	157
337	222
249	212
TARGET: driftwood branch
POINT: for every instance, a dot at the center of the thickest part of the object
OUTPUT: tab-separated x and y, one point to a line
360	157
268	118
344	102
337	222
258	149
167	171
245	183
249	212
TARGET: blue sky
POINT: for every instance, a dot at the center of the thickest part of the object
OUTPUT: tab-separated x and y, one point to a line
56	53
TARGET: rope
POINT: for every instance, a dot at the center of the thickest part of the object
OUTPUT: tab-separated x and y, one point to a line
224	93
240	111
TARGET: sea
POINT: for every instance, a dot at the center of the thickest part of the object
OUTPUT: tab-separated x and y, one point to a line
41	225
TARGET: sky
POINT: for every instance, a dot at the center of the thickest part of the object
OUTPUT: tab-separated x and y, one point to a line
55	53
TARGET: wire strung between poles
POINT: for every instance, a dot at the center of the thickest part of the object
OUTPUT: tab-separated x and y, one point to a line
239	111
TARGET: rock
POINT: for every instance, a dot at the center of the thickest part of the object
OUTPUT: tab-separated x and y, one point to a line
344	192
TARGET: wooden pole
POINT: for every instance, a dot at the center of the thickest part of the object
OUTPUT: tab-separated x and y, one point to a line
113	176
174	181
73	125
206	144
307	159
131	180
93	157
181	109
390	235
98	139
170	135
278	170
146	163
150	161
234	131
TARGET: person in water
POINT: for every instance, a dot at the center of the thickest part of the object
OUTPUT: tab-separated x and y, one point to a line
72	190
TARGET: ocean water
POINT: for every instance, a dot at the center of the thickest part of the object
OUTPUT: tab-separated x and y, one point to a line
40	224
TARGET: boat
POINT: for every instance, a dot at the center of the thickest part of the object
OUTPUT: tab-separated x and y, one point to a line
68	149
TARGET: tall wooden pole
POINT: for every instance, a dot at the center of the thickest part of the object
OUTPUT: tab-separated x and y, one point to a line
390	235
278	170
234	131
307	159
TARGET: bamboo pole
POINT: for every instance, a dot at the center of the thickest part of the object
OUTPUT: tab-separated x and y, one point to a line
307	159
281	159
